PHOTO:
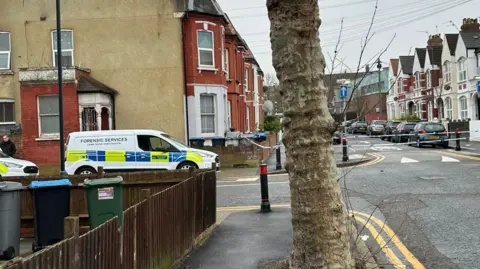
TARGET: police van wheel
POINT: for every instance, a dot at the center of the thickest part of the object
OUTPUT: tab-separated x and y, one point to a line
85	171
186	165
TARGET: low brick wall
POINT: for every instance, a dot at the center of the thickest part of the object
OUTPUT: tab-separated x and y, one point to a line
244	155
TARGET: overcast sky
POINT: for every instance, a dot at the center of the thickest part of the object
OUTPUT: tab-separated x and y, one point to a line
411	20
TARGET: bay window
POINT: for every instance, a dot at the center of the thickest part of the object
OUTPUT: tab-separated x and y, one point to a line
448	106
447	75
207	113
417	80
463	107
462	70
205	48
429	79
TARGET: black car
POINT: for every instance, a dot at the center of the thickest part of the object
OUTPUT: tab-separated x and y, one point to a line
388	131
402	131
429	133
359	127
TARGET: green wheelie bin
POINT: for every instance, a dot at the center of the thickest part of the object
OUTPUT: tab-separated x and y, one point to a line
104	200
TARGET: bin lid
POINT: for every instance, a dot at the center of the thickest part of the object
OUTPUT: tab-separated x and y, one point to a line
50	183
10	186
103	181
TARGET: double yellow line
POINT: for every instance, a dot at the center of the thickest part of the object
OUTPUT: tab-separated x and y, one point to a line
366	220
378	158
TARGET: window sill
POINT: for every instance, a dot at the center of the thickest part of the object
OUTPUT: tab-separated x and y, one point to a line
8	123
207	68
6	72
53	138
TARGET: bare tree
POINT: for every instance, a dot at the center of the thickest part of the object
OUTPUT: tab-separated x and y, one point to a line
319	218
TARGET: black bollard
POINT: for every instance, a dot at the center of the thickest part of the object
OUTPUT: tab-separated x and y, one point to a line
457	136
279	157
345	152
265	205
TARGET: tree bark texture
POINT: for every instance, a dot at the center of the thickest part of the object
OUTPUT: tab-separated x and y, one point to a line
320	237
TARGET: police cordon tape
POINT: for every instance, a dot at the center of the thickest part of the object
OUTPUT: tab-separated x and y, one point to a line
395	135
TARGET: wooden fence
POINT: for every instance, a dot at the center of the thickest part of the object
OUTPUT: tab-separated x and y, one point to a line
155	181
156	233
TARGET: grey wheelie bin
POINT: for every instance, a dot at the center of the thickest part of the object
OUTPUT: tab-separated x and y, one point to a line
10	216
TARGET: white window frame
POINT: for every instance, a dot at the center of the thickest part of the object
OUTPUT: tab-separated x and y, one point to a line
54	41
3	101
462	70
227	63
8	52
229	115
248	119
447	72
448	108
40	134
245	82
463	111
400	87
430	111
419	110
223	48
214	97
429	79
417	80
206	49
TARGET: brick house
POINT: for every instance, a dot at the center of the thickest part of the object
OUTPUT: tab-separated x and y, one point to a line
143	68
433	74
223	79
420	93
405	85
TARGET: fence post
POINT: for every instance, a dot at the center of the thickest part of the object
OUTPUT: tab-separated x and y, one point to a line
192	171
214	166
71	229
145	193
457	136
100	172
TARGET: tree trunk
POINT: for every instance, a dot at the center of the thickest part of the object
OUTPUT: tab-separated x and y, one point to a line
320	237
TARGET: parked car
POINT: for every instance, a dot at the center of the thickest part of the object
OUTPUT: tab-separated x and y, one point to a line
388	131
402	131
11	167
429	133
337	139
376	127
358	127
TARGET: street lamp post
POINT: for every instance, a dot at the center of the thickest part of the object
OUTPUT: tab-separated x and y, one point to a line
60	90
379	66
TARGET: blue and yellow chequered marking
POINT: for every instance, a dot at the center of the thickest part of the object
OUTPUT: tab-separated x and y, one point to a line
131	156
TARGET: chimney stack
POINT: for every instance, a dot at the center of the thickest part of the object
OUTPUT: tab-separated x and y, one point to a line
434	40
470	26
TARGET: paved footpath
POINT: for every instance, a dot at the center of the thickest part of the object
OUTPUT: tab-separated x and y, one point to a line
243	240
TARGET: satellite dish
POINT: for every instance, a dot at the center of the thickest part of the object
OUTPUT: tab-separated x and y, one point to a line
268	106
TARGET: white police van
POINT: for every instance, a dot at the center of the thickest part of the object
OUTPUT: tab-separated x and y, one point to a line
131	150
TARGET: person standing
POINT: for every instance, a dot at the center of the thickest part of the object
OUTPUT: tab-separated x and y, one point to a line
7	146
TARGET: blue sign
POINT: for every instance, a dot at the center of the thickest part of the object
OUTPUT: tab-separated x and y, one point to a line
478	86
344	91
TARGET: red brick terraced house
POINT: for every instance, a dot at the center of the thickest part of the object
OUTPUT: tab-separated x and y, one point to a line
405	85
433	74
223	80
420	93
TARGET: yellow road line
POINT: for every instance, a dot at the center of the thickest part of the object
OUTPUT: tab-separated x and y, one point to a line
408	255
395	261
378	158
460	155
247	208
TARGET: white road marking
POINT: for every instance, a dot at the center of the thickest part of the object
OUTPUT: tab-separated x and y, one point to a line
246	179
364	142
357	156
408	160
446	159
384	148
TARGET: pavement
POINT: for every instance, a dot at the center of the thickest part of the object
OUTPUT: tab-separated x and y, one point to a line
424	203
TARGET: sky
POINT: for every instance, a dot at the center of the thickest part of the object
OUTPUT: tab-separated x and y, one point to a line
410	21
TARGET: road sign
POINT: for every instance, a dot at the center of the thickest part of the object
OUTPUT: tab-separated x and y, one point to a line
478	86
344	91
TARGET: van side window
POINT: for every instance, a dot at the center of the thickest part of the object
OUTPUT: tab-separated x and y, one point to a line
154	143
